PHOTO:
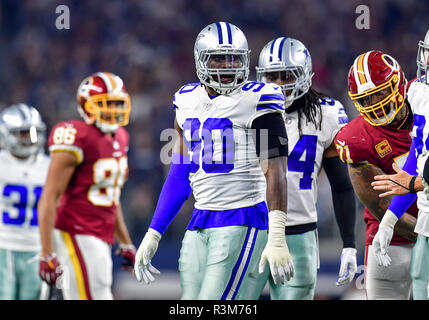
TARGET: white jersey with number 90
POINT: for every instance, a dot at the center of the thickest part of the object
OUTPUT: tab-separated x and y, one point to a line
226	173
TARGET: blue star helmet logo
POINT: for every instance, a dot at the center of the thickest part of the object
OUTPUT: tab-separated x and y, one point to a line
306	52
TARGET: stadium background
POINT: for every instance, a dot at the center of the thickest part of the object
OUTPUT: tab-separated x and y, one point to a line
149	44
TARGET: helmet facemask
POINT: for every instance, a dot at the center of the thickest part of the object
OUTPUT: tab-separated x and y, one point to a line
107	111
25	142
291	80
380	105
223	70
422	61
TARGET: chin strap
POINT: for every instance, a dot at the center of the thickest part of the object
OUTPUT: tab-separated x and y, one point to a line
106	127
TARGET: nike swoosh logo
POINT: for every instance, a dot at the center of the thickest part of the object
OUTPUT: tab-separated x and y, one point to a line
342	143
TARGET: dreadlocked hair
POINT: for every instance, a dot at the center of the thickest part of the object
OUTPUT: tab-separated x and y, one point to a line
309	105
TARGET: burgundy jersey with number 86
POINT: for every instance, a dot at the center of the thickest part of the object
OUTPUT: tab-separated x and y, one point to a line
88	206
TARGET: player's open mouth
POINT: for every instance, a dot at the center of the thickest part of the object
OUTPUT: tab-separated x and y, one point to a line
227	78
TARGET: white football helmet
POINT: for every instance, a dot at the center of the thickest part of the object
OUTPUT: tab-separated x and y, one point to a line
22	130
222	57
423	59
287	58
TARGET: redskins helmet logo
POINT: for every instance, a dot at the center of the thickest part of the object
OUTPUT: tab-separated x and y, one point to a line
390	62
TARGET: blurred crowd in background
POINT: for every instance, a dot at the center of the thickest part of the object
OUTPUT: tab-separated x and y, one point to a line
150	43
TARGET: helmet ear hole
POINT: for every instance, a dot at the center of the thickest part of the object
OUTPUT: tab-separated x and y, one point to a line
90	107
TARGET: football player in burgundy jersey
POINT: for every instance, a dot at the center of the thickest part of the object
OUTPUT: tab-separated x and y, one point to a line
411	183
79	211
370	143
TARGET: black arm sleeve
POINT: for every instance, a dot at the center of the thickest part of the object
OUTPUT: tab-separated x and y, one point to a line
343	199
270	136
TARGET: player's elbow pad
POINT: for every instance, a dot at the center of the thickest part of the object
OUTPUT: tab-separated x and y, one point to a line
175	191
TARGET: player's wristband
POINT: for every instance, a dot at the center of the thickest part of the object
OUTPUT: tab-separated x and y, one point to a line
174	193
411	186
276	228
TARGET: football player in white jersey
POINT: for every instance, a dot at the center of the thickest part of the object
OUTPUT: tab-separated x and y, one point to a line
312	121
226	245
23	167
406	186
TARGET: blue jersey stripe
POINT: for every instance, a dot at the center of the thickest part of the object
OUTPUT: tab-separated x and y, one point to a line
228	26
269	97
343	120
219	32
273	106
281	48
247	264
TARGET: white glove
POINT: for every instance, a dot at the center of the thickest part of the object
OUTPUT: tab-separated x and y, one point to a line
276	251
142	266
348	266
383	237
